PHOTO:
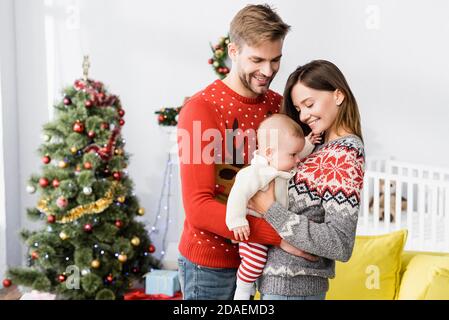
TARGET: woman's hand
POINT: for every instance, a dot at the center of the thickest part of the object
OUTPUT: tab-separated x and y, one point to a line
262	200
297	252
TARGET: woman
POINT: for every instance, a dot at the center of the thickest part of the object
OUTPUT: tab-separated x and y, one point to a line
325	193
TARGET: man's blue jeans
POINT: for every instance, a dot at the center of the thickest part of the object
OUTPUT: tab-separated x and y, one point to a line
204	283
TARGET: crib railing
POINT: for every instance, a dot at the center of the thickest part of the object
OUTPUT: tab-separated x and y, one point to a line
408	169
426	212
417	170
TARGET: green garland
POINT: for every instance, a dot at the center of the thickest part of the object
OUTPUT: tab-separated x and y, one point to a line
168	116
219	57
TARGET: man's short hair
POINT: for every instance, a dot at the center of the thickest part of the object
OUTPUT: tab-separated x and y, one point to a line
255	24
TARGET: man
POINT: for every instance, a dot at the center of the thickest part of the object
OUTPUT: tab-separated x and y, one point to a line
216	133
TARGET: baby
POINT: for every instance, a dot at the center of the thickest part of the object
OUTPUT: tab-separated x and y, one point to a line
281	146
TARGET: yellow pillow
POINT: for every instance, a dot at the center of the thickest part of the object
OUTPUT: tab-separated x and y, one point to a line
439	287
419	274
372	273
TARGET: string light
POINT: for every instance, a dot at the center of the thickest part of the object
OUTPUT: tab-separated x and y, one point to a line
164	197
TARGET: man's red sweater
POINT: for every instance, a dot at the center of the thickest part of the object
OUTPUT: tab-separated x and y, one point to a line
205	238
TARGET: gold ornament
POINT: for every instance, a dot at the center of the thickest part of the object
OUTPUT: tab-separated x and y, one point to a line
121	199
122	257
118	151
95	264
73	150
92	208
63	235
86	65
62	164
135	241
141	211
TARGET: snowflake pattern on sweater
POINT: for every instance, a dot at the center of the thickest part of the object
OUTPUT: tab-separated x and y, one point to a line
334	172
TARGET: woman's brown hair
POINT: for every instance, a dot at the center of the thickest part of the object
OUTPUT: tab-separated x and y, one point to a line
324	76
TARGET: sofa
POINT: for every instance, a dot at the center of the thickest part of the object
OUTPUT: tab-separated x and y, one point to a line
379	269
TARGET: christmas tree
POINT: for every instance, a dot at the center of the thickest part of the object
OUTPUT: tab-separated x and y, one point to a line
91	247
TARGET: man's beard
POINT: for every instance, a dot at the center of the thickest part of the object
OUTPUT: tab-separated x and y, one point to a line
245	79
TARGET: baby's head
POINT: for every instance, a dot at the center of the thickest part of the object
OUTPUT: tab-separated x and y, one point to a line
280	140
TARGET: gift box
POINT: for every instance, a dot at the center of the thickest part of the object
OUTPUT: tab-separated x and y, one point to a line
162	282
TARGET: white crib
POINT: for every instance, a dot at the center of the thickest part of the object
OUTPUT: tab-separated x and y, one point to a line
418	195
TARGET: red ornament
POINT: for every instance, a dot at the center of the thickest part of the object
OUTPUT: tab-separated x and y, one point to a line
34	255
109	278
51	219
61	278
55	183
121	112
91	134
105	126
87	165
121	122
117	175
78	126
151	248
89	104
101	96
88	228
7	283
118	224
67	101
98	85
46	159
62	202
43	182
79	85
135	270
210	61
161	118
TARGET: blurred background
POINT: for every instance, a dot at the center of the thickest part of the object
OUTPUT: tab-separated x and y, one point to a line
153	54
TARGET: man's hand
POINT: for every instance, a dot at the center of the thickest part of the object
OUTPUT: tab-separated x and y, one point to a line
297	252
241	233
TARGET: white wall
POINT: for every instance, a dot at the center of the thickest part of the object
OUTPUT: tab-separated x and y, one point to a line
9	155
153	54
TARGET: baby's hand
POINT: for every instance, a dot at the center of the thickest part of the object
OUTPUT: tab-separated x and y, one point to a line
241	233
314	138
